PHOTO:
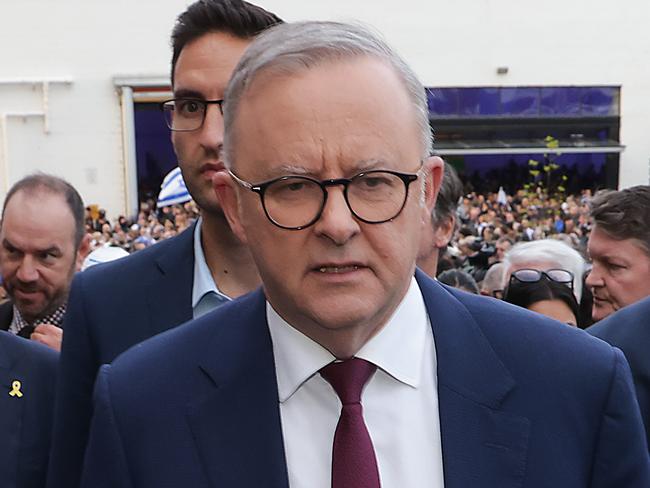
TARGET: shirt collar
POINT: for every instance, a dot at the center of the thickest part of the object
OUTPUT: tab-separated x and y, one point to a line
203	282
298	358
55	318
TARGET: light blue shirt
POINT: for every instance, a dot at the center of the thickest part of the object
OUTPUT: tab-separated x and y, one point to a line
205	294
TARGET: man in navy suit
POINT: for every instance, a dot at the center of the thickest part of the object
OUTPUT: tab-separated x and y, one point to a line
629	330
27	378
115	306
349	368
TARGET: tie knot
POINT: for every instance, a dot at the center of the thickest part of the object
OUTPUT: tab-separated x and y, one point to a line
348	378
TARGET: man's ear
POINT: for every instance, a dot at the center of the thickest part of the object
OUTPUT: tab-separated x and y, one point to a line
228	197
433	171
82	251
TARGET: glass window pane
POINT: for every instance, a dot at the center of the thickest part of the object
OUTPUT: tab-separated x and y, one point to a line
520	101
561	101
600	101
443	102
479	102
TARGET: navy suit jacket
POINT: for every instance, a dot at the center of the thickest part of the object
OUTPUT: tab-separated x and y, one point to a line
25	421
629	330
112	307
524	402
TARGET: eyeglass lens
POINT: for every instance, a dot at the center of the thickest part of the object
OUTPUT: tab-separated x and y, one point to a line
533	275
184	114
373	197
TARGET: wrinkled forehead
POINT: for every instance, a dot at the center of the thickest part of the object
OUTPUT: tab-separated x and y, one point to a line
356	108
38	220
603	243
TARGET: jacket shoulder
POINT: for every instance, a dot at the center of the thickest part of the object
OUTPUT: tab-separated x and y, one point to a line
525	339
625	327
26	353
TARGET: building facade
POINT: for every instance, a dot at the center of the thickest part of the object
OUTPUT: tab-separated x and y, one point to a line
79	81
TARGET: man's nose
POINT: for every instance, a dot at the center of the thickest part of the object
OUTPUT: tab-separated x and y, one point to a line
594	277
27	270
337	221
211	132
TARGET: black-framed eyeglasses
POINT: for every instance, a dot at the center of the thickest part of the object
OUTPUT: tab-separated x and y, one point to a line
534	275
187	114
295	202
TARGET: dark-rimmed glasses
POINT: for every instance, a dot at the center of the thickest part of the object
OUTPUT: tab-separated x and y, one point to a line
295	202
534	275
187	114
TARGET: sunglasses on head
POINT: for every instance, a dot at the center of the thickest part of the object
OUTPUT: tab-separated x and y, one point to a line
534	275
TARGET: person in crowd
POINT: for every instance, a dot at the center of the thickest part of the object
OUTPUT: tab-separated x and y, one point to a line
501	247
492	284
350	367
103	255
619	247
540	292
118	304
628	329
459	279
439	230
545	255
42	245
27	379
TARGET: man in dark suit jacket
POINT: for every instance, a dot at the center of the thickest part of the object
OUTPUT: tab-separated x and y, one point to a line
523	402
463	389
629	330
114	306
27	378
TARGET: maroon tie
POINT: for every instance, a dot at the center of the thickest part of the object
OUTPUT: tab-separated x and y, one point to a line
353	458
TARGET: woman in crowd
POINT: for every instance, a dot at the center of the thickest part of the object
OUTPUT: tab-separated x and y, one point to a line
544	292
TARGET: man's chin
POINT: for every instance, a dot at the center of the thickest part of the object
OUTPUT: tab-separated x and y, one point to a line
600	312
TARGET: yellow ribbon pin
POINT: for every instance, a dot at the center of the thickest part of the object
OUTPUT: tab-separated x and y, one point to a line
15	389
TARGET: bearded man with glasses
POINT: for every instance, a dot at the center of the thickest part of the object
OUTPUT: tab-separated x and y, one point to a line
349	368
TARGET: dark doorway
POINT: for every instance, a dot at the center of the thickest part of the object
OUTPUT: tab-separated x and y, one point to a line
154	151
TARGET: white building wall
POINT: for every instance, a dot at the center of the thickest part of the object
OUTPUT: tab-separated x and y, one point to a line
449	43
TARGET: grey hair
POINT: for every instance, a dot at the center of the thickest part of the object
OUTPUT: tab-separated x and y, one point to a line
553	251
290	48
493	279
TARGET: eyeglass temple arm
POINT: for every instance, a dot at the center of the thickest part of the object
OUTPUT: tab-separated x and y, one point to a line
243	183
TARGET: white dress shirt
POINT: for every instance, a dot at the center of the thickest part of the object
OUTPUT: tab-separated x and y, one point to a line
205	294
400	401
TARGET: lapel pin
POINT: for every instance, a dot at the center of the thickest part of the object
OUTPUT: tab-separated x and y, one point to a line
15	389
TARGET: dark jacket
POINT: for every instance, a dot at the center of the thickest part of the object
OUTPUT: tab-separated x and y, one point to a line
111	307
629	330
28	370
523	401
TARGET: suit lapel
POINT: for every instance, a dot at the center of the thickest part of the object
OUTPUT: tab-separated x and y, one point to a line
170	295
236	424
11	415
481	444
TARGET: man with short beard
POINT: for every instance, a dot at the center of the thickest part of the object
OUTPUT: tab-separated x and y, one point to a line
42	244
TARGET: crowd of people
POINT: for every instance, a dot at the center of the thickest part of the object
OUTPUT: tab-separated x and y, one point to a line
299	322
151	225
483	221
